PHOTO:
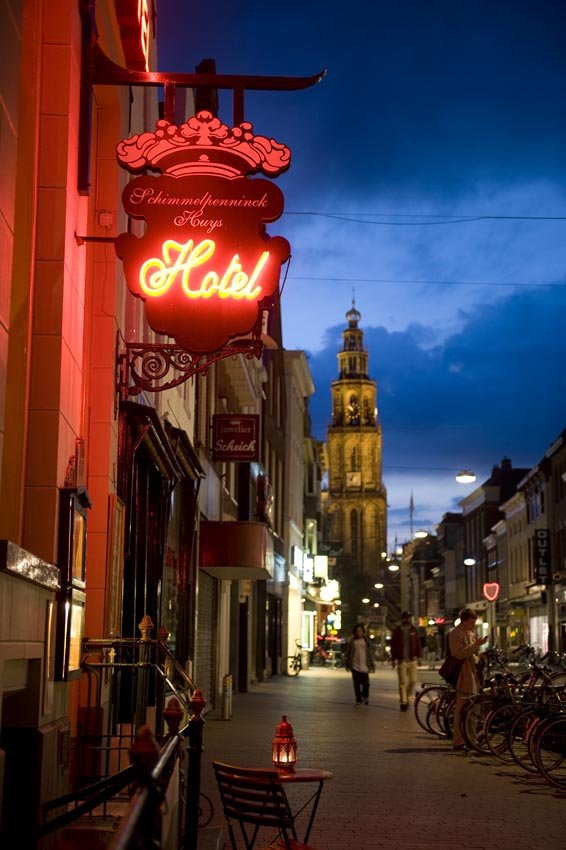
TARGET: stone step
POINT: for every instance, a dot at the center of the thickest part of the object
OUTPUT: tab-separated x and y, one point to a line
98	834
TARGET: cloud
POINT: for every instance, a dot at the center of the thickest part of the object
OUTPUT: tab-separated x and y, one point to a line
460	265
506	397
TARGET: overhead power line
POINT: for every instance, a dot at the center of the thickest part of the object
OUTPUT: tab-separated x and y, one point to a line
388	280
371	218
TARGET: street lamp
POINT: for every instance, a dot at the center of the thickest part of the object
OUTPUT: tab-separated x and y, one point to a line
421	533
465	477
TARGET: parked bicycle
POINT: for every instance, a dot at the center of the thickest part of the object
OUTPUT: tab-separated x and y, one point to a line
327	654
293	664
519	716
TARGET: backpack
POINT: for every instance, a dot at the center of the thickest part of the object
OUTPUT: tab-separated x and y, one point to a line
450	668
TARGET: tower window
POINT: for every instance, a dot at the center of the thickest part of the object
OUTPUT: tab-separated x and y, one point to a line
354	534
355	460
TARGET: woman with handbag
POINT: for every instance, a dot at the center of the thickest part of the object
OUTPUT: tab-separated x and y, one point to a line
464	644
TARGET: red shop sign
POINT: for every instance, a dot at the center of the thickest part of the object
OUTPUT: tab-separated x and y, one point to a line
235	438
491	591
205	265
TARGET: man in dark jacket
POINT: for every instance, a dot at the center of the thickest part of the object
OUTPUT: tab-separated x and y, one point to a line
405	652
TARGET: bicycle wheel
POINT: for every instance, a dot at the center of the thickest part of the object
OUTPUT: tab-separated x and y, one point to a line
521	729
291	666
472	720
446	711
437	718
550	751
432	724
423	700
497	728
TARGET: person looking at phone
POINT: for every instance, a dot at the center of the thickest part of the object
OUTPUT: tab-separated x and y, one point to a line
464	645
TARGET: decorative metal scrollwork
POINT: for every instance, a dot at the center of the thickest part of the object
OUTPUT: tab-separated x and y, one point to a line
158	367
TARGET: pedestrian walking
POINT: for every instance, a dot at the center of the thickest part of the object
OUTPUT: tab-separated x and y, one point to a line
463	644
406	650
358	658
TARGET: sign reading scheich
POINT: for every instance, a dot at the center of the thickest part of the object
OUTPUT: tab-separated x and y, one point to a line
205	266
235	438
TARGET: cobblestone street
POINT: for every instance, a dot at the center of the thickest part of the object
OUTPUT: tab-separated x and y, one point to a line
394	786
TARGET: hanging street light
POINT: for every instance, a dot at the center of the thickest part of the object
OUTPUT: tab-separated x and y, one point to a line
465	477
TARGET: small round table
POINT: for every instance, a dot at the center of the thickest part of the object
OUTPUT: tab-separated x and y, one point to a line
306	774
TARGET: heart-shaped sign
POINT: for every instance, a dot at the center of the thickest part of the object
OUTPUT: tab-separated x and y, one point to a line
491	591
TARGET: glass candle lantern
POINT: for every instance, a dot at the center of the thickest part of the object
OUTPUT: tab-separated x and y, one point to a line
284	746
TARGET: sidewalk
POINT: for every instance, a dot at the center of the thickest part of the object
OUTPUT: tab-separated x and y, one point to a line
394	786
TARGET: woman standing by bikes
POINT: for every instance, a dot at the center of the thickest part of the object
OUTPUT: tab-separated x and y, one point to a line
358	658
464	645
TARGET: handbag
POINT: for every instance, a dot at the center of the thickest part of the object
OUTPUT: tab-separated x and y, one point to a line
450	670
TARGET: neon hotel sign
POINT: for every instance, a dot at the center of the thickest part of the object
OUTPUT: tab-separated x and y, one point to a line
134	18
205	265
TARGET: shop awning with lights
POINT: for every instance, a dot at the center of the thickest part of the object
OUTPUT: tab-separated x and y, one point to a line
236	550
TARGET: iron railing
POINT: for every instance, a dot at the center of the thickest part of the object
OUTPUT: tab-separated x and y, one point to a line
139	724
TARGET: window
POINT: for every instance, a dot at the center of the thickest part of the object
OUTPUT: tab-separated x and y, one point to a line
355	459
354	534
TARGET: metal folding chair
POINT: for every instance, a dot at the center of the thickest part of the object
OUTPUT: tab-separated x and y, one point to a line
255	799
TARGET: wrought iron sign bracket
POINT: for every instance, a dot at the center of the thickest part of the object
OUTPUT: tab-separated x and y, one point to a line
154	368
98	69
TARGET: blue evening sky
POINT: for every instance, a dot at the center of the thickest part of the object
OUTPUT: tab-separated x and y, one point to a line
428	173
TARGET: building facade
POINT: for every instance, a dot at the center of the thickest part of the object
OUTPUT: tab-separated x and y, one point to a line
115	509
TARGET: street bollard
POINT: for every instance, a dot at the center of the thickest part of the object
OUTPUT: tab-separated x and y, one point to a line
227	697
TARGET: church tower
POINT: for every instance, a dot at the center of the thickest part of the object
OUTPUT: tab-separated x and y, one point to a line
356	498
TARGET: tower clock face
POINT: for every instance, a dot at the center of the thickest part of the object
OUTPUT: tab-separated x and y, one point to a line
353	479
353	410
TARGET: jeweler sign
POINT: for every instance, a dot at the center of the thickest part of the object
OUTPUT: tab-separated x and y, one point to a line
204	264
235	438
542	556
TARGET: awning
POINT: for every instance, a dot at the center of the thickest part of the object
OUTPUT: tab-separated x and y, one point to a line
236	550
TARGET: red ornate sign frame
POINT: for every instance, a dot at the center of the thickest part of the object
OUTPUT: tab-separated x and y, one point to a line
205	266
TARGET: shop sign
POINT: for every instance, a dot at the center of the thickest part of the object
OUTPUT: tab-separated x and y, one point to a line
235	438
542	555
308	569
377	621
321	567
135	25
205	266
491	591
